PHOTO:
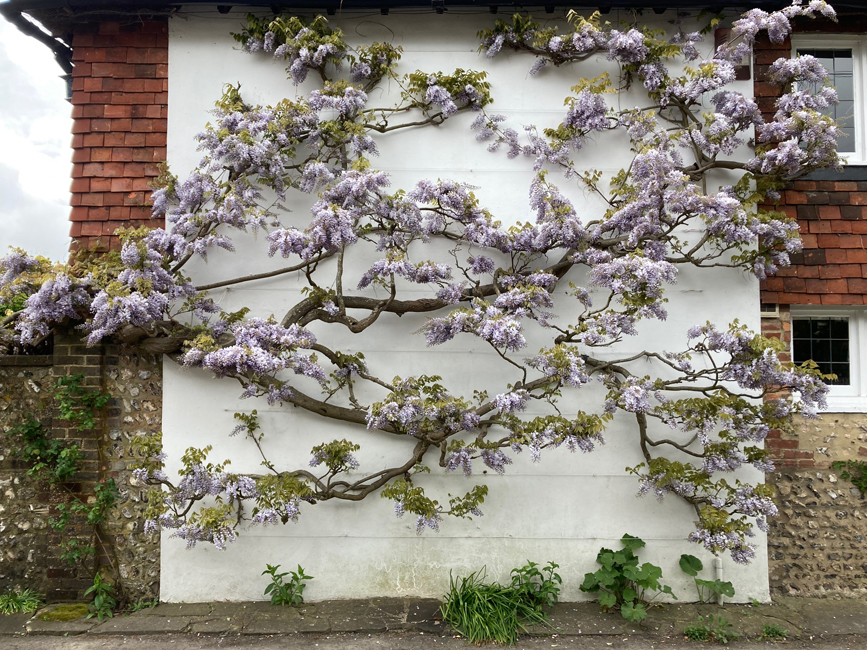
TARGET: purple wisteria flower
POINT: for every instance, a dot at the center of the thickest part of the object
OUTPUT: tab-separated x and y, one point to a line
58	299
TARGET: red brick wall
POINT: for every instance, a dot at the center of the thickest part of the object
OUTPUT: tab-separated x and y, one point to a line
785	450
833	266
832	214
120	104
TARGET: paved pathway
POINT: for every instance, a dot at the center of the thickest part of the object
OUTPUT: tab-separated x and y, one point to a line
391	618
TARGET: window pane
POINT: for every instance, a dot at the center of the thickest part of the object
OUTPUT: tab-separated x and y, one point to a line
825	341
801	350
842	372
821	350
838	63
820	328
801	328
840	328
840	351
845	89
843	61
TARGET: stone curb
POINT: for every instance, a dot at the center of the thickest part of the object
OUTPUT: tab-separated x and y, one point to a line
799	616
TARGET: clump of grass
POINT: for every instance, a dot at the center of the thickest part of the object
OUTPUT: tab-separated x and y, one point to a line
24	601
492	612
774	631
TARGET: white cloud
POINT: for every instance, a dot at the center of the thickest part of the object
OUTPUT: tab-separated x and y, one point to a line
35	134
38	225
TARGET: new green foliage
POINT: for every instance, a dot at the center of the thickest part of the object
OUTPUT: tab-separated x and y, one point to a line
283	592
104	602
854	471
624	584
711	628
691	566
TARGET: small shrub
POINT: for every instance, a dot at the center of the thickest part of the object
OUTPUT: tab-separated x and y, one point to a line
711	628
104	602
774	632
624	585
706	589
485	613
15	602
286	593
540	588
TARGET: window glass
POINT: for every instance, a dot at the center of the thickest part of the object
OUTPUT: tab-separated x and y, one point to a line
826	342
838	63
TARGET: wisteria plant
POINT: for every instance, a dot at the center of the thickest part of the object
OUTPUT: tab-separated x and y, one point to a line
495	283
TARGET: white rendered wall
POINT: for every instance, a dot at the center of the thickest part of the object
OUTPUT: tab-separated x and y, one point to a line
562	509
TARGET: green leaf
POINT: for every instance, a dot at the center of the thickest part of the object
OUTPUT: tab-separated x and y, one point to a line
717	586
590	583
629	594
632	543
690	565
634	613
607	599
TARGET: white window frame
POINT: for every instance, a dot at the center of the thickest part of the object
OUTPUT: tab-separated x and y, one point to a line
858	45
851	398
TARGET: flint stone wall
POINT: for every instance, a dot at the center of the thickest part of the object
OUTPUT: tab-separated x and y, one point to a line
24	541
29	547
817	546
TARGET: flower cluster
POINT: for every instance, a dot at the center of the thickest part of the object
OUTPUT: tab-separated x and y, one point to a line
260	347
58	299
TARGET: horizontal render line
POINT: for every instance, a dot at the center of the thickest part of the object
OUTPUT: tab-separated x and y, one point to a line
646	538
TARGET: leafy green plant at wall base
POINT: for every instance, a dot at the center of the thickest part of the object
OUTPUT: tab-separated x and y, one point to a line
104	601
286	593
623	584
691	566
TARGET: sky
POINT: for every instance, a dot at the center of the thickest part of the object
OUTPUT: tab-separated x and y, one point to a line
35	152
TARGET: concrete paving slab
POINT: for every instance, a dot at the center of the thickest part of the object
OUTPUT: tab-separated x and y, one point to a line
211	626
225	610
314	623
177	609
390	606
587	618
143	625
271	626
424	615
287	617
334	609
366	624
13	623
833	616
59	628
242	614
